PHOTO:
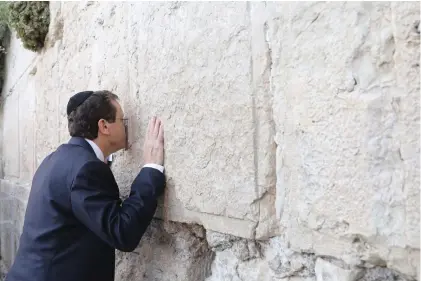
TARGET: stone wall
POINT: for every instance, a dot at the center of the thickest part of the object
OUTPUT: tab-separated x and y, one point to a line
292	132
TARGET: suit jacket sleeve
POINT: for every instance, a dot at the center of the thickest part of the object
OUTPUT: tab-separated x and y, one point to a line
96	203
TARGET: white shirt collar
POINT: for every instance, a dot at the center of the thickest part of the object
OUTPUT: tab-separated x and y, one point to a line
97	150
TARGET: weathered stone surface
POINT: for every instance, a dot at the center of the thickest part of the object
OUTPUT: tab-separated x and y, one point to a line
3	270
243	259
345	115
277	261
326	271
381	274
168	251
10	159
17	114
292	130
229	162
12	211
285	262
9	239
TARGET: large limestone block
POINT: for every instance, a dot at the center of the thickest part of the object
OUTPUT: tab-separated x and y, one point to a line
406	32
196	75
17	113
190	64
346	106
200	86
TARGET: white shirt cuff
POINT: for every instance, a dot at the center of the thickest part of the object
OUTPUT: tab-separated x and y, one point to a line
155	166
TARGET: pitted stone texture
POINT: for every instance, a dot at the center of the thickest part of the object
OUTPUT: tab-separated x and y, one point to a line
9	239
381	274
167	252
13	199
243	259
188	79
286	263
346	107
196	75
3	270
326	271
336	83
12	210
274	260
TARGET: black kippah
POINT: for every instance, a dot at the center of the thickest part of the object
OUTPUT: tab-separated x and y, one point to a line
77	100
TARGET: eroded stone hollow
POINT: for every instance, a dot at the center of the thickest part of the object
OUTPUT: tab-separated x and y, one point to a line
292	133
168	251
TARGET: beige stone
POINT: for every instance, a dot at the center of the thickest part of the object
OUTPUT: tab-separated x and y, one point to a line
326	271
341	114
9	239
227	162
292	129
168	251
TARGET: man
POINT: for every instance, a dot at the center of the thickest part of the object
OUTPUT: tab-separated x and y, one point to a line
75	219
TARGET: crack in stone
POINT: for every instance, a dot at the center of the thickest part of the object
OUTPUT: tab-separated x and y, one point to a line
262	105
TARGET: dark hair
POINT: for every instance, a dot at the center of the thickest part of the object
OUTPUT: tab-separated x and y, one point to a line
83	121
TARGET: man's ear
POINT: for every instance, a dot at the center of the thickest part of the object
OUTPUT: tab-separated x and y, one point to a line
103	127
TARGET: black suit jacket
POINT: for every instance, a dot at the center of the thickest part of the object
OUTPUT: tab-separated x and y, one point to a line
75	219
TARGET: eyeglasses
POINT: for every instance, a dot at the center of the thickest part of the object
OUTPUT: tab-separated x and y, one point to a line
125	121
126	129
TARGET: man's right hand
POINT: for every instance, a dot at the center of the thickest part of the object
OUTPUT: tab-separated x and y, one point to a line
153	148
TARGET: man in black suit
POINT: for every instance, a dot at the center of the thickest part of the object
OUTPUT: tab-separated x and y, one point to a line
75	218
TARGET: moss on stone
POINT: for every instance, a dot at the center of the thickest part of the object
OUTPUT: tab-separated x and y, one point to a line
31	20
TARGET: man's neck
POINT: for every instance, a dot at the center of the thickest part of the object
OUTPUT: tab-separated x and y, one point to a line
99	149
103	147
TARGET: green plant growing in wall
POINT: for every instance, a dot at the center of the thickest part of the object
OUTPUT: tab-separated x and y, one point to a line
31	20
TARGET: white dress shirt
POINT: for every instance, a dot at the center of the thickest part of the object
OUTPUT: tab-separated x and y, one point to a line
101	157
